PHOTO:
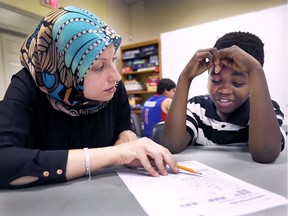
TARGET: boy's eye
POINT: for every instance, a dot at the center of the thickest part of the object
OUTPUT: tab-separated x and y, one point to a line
238	85
216	81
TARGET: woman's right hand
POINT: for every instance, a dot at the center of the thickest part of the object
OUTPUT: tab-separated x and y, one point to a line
144	152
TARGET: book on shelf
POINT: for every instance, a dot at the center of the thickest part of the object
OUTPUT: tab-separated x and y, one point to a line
133	85
151	68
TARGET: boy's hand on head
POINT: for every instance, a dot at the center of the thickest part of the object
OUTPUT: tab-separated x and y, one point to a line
218	67
202	60
236	58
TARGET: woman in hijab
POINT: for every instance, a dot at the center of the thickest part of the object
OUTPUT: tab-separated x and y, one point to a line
66	113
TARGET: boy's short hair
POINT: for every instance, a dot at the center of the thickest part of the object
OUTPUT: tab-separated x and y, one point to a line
165	84
251	43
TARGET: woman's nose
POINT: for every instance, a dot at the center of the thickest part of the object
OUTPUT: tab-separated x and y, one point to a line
114	75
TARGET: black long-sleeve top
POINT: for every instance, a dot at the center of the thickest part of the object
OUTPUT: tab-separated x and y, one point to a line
35	138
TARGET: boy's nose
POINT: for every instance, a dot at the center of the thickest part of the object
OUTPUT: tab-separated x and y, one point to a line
225	88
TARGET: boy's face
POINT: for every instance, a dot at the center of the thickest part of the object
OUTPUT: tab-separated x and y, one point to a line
169	93
228	90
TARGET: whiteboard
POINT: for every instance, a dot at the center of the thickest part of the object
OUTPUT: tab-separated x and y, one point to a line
178	47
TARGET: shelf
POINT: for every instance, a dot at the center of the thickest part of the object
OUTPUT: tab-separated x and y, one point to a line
140	92
140	72
141	63
140	44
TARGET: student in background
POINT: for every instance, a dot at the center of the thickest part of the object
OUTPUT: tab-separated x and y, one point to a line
156	108
66	113
238	109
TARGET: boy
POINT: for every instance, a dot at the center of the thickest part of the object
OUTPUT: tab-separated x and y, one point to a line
238	109
156	108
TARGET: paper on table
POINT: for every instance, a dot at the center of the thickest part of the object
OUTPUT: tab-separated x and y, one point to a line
191	194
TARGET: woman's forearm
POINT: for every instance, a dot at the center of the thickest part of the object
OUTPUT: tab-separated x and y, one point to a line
98	158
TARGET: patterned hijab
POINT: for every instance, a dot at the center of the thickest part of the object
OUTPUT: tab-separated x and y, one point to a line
59	53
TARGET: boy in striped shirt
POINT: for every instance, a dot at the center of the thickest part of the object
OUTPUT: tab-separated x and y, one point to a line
238	109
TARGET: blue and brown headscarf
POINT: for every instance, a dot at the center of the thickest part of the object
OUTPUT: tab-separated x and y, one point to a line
59	53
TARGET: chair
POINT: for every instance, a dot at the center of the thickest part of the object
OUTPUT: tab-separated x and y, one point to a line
157	132
136	125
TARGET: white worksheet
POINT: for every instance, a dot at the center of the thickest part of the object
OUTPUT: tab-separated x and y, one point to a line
203	194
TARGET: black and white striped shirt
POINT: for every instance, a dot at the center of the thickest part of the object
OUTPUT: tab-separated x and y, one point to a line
206	127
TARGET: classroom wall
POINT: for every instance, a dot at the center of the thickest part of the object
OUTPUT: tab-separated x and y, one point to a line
147	19
121	24
35	7
31	11
150	18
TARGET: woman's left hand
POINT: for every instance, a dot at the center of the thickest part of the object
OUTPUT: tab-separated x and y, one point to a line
126	136
144	152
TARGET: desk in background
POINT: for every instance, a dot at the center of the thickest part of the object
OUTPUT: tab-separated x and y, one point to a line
106	194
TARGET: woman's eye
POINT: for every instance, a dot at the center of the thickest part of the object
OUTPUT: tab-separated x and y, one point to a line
100	68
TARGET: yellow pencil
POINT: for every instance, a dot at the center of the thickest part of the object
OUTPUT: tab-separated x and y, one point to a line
187	169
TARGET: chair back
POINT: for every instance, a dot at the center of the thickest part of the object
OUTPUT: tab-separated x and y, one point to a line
157	132
136	125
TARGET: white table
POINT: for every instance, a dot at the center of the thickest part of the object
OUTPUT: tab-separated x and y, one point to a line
106	194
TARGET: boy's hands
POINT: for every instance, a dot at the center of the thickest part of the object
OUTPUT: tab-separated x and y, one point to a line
233	57
237	59
202	60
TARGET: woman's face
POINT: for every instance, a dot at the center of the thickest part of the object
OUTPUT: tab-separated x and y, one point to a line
101	79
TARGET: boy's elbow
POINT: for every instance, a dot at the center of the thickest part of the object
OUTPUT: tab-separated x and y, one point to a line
173	146
265	156
175	149
263	159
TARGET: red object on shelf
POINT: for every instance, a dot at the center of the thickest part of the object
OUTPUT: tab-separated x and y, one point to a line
152	82
157	69
126	69
51	3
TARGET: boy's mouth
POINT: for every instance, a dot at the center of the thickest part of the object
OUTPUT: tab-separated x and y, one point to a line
224	103
224	100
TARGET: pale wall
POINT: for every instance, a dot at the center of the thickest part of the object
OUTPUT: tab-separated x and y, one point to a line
147	19
150	18
35	6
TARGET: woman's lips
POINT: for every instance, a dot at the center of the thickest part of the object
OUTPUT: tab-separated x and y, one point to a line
111	90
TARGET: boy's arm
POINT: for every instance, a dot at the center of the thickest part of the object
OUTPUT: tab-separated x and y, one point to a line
264	131
175	137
